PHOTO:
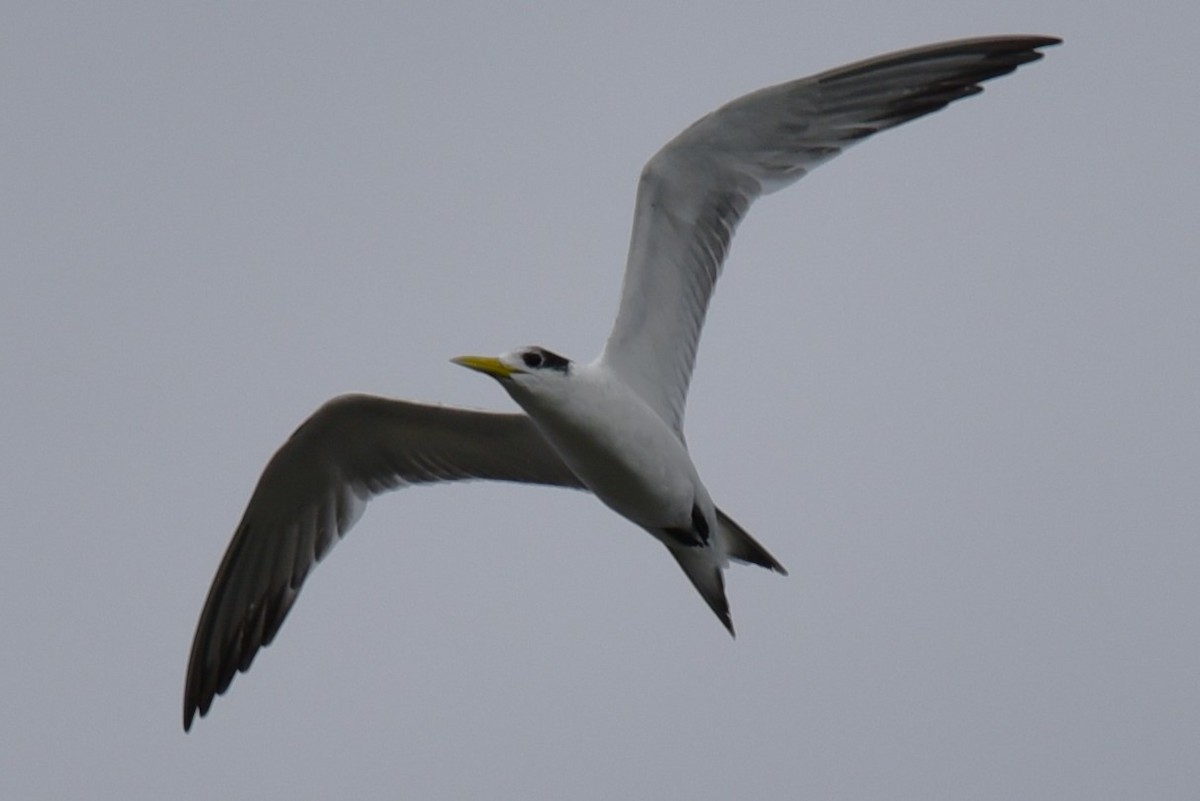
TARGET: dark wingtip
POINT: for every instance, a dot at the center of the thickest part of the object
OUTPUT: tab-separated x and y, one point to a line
194	703
191	702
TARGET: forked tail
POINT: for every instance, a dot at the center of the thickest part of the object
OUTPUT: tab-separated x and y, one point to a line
744	548
704	569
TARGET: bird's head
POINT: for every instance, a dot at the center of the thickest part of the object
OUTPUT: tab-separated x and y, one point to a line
526	367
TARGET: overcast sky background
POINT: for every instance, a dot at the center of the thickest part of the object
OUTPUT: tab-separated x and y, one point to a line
950	380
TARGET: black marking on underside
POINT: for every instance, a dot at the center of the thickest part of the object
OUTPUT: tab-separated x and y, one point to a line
695	537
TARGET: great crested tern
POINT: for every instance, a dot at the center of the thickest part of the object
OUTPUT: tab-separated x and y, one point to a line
613	426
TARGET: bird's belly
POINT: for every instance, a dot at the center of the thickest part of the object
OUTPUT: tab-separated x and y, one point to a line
637	466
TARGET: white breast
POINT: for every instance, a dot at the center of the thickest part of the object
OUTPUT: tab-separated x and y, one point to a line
617	445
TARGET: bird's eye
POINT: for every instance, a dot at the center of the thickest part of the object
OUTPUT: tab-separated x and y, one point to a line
532	359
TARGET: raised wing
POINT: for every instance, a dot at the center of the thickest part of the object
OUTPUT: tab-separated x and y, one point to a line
314	489
694	191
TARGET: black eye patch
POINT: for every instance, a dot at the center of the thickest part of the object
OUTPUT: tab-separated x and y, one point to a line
536	358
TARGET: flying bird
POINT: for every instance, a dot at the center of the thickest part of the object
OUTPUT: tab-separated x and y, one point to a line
612	426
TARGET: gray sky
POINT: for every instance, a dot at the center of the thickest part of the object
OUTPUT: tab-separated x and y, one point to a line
950	380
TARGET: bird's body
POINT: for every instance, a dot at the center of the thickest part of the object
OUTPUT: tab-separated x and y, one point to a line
628	456
614	426
617	445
